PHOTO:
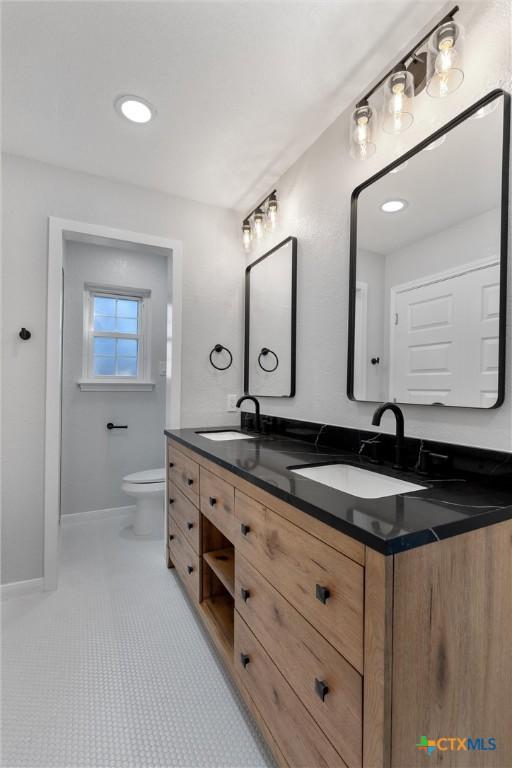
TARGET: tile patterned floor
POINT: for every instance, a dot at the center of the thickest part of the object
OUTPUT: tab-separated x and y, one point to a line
113	670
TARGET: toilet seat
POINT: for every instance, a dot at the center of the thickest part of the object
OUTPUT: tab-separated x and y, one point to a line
146	477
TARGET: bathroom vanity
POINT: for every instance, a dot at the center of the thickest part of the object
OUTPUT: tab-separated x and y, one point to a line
353	627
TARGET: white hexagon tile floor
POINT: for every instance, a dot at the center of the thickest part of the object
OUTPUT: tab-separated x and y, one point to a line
114	670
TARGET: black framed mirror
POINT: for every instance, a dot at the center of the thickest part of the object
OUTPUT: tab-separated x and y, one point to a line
428	268
270	322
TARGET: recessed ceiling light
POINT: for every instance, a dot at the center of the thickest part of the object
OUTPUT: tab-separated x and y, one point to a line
134	108
435	144
393	206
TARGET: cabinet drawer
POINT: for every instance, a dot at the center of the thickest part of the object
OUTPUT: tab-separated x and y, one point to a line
304	657
185	559
185	514
218	502
298	736
184	473
325	586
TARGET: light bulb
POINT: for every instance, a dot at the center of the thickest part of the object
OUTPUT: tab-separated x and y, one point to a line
134	108
272	211
398	95
361	145
246	235
259	224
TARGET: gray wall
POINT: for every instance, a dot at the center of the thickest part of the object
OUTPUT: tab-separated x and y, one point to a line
94	459
315	207
212	312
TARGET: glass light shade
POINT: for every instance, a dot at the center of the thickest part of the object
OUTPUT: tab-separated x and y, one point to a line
259	224
361	130
272	212
397	113
445	65
246	235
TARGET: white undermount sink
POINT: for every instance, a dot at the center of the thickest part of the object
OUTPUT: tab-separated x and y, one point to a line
357	481
226	435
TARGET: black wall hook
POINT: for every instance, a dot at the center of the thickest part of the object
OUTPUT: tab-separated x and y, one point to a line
24	334
219	348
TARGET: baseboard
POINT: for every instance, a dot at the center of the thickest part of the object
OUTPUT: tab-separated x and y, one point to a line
20	588
97	514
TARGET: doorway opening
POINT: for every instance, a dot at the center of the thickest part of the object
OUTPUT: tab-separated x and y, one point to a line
120	281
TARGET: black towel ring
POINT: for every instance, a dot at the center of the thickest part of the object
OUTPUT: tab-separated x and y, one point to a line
264	352
219	348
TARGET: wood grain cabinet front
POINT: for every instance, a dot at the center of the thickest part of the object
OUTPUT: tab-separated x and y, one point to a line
325	682
298	736
185	514
184	473
218	502
326	587
185	560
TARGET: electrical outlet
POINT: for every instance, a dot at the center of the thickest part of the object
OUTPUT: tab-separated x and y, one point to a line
231	401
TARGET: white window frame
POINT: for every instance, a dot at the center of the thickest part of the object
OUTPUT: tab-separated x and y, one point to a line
142	381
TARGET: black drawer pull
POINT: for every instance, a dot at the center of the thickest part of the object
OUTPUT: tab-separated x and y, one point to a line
321	688
171	501
190	568
171	537
190	526
171	464
322	593
190	481
244	659
245	529
244	594
212	501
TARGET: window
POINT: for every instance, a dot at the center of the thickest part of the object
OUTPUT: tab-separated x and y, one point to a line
115	338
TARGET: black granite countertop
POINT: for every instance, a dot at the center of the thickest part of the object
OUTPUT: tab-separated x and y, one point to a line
447	506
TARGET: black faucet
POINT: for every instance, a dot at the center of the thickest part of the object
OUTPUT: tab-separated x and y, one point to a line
256	407
399	445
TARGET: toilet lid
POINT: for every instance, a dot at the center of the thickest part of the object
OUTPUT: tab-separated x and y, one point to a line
147	476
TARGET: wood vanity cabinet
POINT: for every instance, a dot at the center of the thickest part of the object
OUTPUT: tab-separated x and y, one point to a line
346	657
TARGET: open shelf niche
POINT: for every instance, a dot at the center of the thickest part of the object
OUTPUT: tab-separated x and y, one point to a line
218	605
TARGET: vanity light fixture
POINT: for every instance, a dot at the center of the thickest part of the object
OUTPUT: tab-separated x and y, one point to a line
134	108
263	217
393	206
435	62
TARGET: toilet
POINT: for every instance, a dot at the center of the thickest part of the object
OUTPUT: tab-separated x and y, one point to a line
148	490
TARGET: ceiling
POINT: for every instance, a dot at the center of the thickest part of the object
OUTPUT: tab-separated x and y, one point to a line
241	88
442	187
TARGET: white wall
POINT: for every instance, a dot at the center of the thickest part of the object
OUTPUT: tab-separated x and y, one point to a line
212	312
315	206
94	459
371	271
